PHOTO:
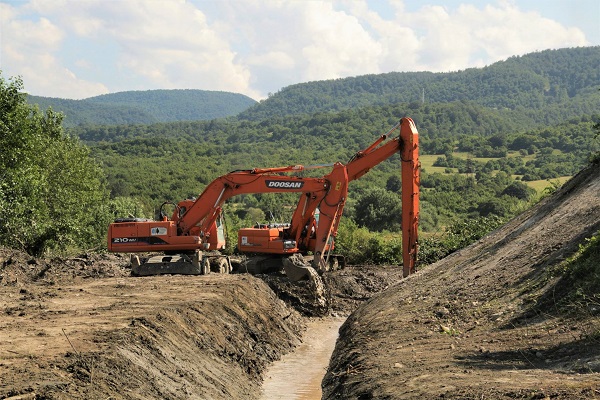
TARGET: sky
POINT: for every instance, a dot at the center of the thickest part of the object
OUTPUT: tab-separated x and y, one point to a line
76	49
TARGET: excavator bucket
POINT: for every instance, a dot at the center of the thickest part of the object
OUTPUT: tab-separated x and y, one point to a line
297	268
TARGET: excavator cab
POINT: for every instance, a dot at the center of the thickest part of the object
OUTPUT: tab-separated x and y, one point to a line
266	238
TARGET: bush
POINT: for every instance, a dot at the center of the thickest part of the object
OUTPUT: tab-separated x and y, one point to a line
360	246
455	237
354	242
123	207
519	190
378	209
582	274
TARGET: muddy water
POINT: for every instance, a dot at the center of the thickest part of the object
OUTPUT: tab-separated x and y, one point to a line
298	375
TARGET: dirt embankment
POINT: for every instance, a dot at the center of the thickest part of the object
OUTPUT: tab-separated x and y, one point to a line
471	326
82	328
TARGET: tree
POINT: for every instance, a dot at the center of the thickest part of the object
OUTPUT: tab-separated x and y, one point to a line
497	141
378	209
394	184
519	190
52	194
495	206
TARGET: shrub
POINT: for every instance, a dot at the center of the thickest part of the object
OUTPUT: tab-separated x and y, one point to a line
455	237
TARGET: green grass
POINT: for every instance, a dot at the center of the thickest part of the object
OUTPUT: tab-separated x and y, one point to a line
528	157
539	185
579	284
427	164
542	184
466	155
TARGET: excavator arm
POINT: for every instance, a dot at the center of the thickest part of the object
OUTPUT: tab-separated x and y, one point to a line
193	221
331	208
331	202
203	212
406	143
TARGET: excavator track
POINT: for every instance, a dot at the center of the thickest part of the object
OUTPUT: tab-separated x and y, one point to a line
197	263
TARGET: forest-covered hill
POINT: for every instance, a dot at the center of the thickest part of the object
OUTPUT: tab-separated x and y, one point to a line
147	107
486	135
530	82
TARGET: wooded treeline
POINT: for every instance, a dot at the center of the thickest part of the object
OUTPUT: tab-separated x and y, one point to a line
530	82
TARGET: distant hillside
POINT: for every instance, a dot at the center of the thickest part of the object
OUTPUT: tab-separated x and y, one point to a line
147	107
532	81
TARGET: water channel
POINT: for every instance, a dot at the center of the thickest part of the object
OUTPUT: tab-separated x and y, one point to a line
298	375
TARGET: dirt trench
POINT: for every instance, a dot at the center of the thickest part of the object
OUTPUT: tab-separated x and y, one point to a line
83	328
162	337
483	322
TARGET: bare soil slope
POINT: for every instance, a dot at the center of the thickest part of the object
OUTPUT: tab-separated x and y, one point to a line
84	329
468	327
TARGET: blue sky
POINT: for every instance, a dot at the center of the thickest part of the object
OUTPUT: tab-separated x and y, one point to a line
82	48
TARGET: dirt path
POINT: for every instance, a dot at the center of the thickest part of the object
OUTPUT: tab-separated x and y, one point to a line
468	327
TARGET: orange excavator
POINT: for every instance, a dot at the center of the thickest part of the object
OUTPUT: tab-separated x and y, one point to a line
190	238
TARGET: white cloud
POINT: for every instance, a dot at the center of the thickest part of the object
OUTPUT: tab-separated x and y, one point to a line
169	43
28	49
165	42
339	45
472	36
251	46
398	42
505	31
316	39
272	59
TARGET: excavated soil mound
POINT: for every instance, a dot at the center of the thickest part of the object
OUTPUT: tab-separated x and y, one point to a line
470	326
82	328
344	289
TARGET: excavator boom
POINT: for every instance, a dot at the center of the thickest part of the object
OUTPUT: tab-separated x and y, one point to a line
407	144
411	182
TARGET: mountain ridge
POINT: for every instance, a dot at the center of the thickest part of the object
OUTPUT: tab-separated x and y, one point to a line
147	107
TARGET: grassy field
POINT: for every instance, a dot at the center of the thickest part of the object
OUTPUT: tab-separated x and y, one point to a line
427	164
540	185
427	161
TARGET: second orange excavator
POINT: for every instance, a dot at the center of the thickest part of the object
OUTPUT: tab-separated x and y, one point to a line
194	231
